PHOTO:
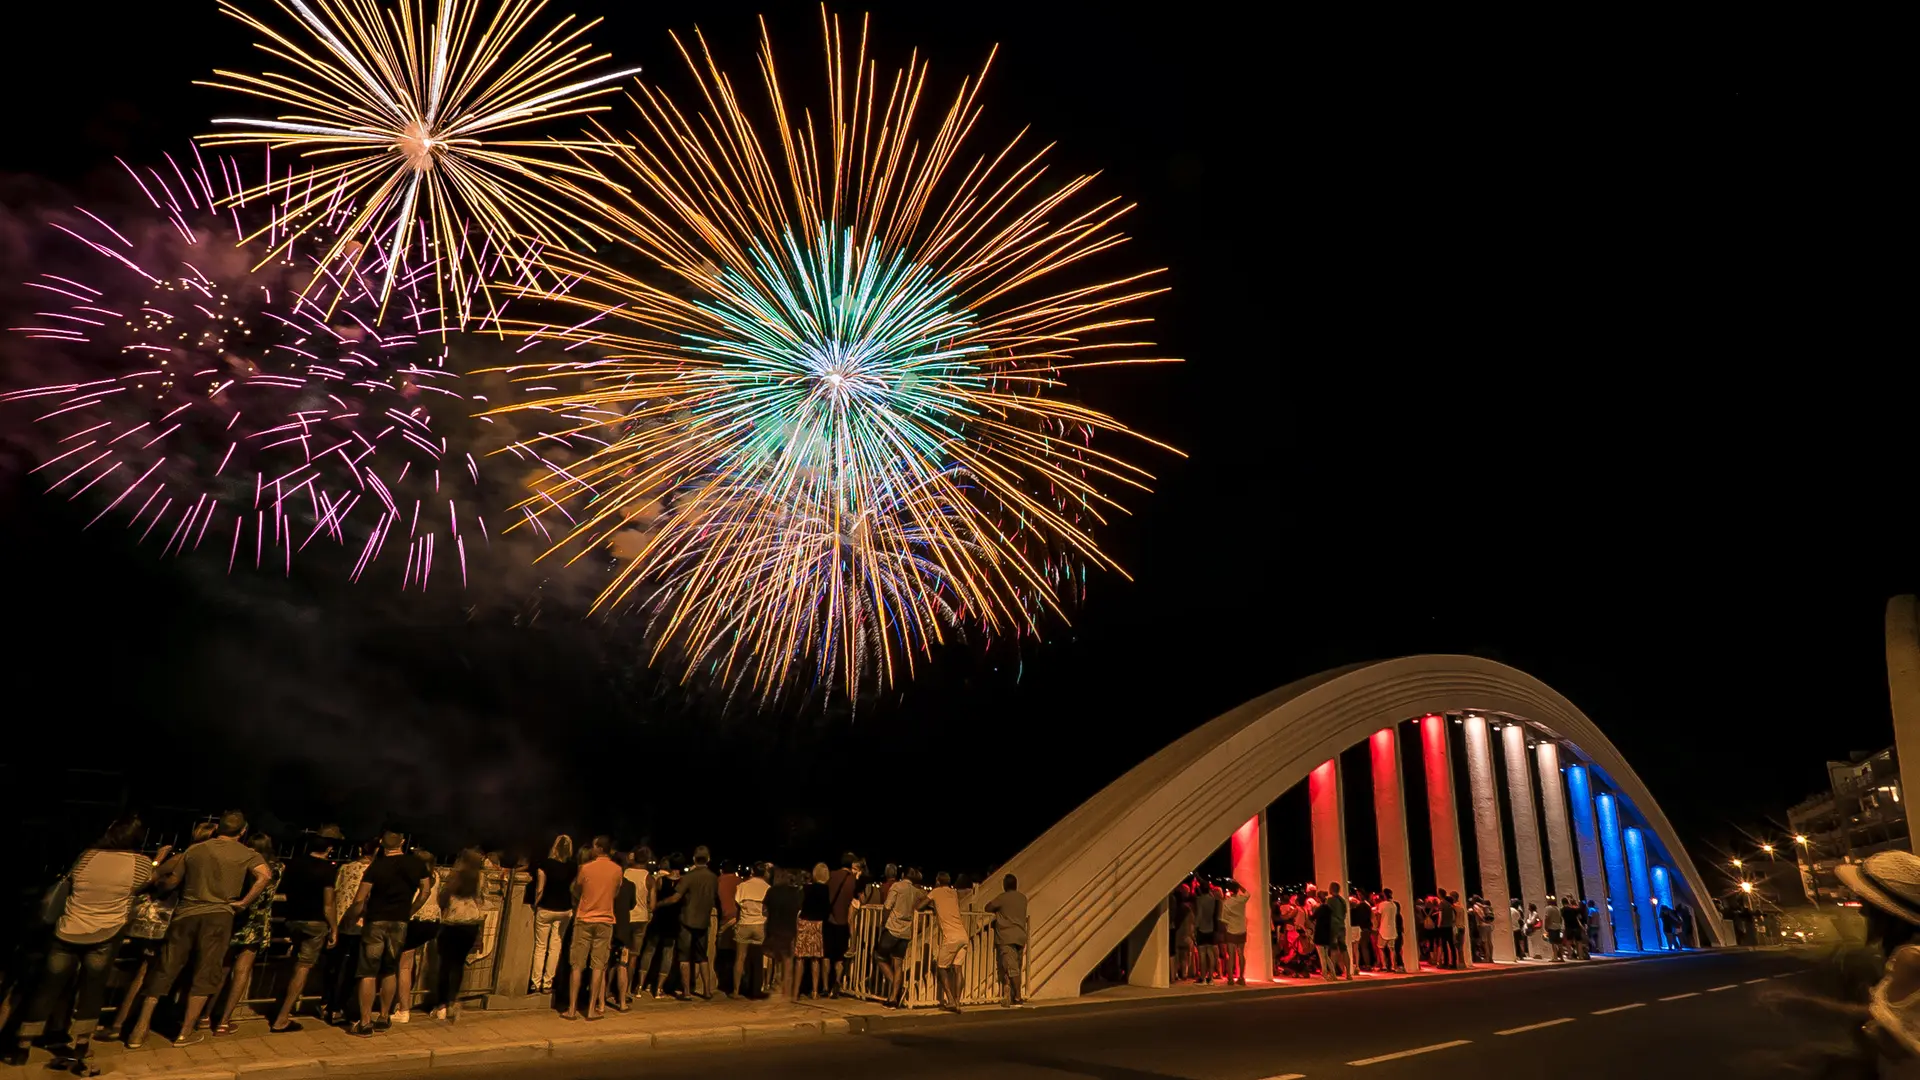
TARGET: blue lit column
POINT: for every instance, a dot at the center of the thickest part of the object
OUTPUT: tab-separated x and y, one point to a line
1663	888
1626	938
1593	877
1642	894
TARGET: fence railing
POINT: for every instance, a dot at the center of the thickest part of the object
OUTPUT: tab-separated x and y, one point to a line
980	982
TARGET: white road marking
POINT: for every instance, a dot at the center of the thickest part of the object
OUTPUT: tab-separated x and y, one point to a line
1677	997
1717	989
1620	1008
1761	979
1411	1053
1786	975
1536	1027
1289	1076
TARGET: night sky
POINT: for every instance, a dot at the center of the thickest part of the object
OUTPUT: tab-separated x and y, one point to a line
1544	344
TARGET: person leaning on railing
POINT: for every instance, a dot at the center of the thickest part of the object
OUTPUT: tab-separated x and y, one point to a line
1009	911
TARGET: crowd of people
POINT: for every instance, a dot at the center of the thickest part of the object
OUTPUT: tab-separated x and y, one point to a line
381	930
1335	932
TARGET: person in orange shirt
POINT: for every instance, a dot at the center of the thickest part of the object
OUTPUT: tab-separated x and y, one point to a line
594	890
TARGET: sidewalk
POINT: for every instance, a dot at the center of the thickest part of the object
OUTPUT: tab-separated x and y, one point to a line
484	1038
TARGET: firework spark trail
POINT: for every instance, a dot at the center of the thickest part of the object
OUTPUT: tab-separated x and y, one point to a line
423	128
866	338
226	394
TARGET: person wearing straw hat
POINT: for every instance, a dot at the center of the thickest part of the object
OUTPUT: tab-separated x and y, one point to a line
1889	885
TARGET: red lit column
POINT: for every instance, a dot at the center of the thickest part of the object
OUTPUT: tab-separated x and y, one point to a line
1449	870
1487	835
1329	824
1390	820
1250	870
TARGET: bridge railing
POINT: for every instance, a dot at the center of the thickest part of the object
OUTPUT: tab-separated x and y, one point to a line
980	982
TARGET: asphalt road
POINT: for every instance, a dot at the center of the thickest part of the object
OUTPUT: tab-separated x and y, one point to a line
1699	1015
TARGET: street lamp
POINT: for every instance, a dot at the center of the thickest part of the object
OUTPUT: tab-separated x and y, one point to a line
1799	839
1746	887
1768	848
1736	864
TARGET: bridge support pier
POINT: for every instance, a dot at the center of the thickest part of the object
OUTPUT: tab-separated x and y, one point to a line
1526	820
1593	872
1626	936
1643	895
1390	822
1487	835
1250	871
1329	824
1449	865
1553	800
1663	892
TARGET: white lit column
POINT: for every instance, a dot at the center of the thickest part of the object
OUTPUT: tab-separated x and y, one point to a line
1390	821
1250	871
1329	824
1553	800
1486	834
1526	827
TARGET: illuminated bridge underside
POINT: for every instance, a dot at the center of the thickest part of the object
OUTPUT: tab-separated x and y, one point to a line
1097	876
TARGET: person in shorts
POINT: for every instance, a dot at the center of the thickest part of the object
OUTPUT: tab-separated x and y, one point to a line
750	931
221	878
307	884
695	899
596	888
903	903
393	889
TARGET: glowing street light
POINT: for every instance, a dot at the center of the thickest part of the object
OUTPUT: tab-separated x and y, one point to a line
1768	848
1799	839
1736	864
1746	887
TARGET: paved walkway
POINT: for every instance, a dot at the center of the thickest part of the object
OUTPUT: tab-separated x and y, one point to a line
488	1038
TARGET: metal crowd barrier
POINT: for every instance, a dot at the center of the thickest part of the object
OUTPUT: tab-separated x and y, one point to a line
980	982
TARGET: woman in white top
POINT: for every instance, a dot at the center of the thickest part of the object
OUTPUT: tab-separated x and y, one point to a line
104	882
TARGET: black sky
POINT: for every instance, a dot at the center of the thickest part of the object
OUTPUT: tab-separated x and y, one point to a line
1559	344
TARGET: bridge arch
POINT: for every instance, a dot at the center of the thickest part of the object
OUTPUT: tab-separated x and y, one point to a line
1100	874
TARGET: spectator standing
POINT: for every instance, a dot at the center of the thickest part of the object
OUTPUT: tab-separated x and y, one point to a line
391	891
842	886
1009	911
152	914
344	922
695	897
952	950
625	899
1186	933
1339	913
1322	918
1386	917
663	931
1233	933
1206	928
307	883
809	943
750	926
462	915
252	930
783	925
639	874
1359	928
1519	920
1554	921
220	879
553	906
422	928
102	886
595	888
904	901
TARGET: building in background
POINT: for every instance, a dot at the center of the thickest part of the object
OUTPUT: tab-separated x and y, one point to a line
1861	814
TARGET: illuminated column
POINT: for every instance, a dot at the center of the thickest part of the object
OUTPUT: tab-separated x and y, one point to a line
1650	937
1553	800
1390	820
1663	889
1449	869
1593	875
1486	831
1626	938
1150	948
1526	826
1250	870
1329	824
